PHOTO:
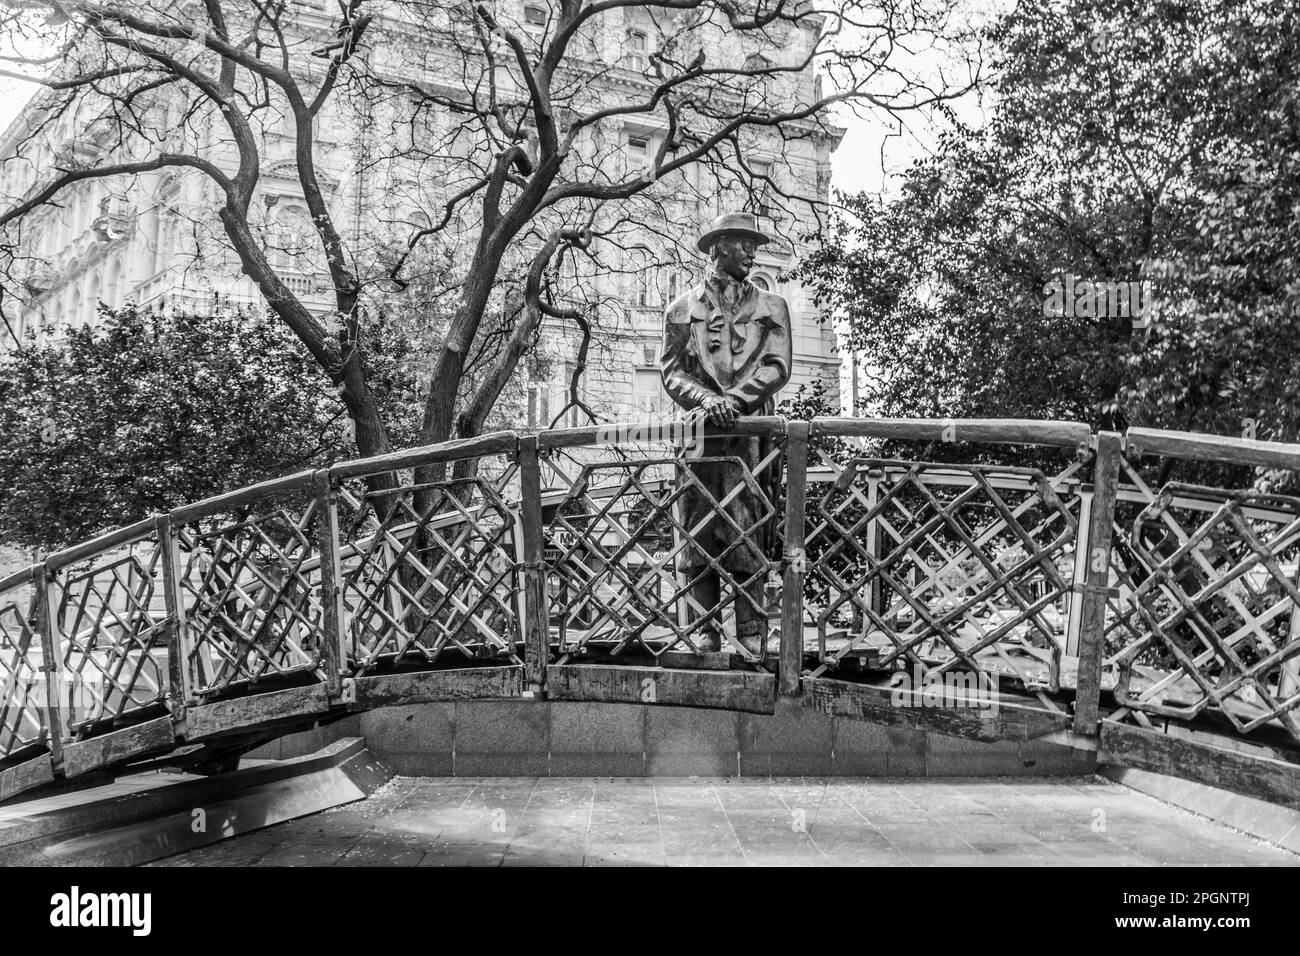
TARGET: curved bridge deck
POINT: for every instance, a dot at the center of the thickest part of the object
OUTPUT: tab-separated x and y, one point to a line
1061	592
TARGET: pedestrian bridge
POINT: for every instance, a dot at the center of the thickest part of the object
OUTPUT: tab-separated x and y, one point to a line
1063	589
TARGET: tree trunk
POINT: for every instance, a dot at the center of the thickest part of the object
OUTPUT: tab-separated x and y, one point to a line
350	376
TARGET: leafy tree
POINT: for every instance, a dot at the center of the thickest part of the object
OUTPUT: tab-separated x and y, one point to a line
508	130
1131	140
154	410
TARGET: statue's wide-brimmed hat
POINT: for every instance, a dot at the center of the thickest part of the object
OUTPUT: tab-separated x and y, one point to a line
732	224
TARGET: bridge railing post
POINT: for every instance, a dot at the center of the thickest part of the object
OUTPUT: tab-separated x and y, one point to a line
1092	609
794	561
334	652
536	622
43	621
179	646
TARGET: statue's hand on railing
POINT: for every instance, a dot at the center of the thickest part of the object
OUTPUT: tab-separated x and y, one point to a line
720	410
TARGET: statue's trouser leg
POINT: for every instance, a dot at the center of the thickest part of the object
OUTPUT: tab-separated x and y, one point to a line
751	618
706	593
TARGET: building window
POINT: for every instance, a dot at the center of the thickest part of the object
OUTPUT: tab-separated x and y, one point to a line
411	122
761	282
534	16
293	240
538	406
641	268
761	188
647	391
116	284
638	152
634	56
91	304
561	399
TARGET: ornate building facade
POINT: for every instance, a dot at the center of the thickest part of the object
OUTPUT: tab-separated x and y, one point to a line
155	240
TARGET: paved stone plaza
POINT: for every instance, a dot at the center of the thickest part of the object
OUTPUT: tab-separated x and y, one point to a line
798	821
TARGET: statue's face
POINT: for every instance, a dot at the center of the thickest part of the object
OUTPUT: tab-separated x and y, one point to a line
734	255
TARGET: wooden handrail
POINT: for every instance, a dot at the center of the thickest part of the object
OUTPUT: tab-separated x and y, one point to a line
1203	447
495	443
1141	441
18	578
219	503
104	542
999	430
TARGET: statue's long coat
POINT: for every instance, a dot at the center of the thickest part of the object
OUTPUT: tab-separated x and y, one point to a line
743	352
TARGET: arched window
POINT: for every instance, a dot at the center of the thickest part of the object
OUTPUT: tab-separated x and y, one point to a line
52	311
761	281
72	314
294	239
167	238
152	239
113	296
91	304
162	225
641	268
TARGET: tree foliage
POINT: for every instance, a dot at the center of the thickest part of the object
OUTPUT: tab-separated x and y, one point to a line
509	132
155	410
1130	140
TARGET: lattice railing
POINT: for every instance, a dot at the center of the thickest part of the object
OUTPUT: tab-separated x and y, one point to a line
110	622
1079	582
252	597
1128	567
662	553
22	683
1202	617
430	571
1217	611
942	567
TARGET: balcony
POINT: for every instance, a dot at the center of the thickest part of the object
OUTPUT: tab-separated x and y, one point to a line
111	226
40	280
307	285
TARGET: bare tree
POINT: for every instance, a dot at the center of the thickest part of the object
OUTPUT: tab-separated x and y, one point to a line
498	114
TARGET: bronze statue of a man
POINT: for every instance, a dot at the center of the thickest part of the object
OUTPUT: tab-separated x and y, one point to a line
727	353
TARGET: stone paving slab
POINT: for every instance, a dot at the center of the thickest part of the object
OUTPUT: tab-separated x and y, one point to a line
638	821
